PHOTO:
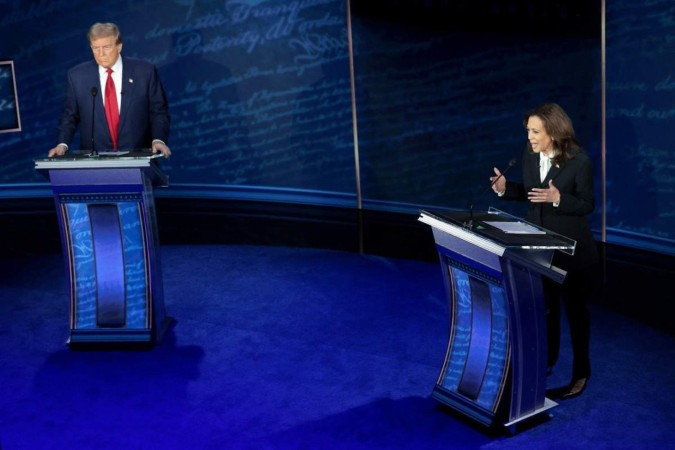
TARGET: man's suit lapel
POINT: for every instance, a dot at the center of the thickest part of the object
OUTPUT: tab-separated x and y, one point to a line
127	91
94	80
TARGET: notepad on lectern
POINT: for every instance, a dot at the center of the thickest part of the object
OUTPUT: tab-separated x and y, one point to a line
515	227
120	153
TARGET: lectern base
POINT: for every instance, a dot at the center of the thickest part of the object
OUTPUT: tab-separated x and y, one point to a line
91	338
548	404
94	336
485	417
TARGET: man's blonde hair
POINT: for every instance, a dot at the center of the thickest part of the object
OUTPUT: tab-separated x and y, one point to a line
99	30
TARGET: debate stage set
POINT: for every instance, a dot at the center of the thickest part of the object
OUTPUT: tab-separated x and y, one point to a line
308	270
493	264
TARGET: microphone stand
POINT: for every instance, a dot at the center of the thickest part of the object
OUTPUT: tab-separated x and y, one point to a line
94	92
470	224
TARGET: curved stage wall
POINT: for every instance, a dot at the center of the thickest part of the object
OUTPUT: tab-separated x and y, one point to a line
262	109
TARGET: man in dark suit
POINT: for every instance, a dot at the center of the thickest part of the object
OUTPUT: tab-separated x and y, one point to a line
121	100
558	184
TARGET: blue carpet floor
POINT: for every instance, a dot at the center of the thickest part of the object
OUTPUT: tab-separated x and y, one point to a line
289	348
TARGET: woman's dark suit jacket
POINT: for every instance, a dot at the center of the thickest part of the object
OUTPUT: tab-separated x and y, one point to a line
574	179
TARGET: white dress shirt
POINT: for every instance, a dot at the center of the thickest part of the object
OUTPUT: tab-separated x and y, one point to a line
544	166
117	78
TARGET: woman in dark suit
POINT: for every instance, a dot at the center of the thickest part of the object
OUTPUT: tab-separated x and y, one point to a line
558	184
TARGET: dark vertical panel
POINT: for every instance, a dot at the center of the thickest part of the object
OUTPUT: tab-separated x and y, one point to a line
109	263
442	87
640	119
479	344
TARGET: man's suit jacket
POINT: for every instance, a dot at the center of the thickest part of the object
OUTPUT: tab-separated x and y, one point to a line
144	111
574	179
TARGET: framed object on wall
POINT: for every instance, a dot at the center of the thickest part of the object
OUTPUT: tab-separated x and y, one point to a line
10	119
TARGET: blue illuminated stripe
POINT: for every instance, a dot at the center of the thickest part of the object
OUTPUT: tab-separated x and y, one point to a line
135	264
82	260
460	330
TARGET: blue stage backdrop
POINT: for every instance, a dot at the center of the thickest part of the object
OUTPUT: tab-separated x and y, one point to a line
442	88
259	91
261	101
640	123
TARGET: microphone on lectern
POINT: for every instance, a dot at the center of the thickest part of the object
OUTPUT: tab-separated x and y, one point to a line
470	223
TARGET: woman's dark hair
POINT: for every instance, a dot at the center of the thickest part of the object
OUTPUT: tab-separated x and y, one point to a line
559	126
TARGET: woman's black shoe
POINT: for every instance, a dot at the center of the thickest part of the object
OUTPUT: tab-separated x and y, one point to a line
575	389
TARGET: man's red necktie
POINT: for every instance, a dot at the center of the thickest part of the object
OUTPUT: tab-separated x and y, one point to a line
112	112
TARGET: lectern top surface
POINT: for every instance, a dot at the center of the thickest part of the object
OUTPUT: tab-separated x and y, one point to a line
502	229
76	159
105	154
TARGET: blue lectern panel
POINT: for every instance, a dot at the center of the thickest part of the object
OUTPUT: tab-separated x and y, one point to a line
135	265
477	360
82	265
110	272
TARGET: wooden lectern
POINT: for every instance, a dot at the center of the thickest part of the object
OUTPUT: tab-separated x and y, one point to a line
493	263
106	212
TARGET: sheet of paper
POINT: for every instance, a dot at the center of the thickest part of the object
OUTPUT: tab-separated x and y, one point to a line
122	153
515	227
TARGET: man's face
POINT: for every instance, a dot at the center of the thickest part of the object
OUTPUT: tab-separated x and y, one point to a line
105	50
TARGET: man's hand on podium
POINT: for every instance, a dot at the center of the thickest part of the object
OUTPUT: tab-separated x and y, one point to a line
59	150
160	147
